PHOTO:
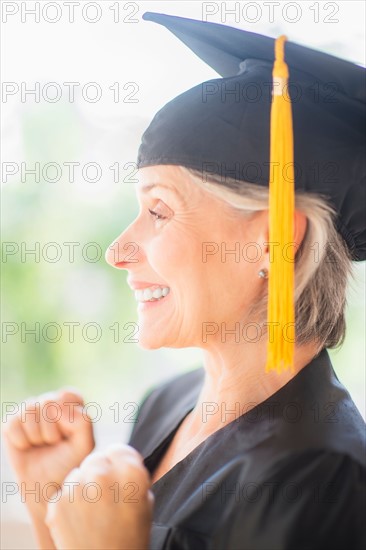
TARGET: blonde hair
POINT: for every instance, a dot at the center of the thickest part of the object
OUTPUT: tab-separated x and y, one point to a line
322	265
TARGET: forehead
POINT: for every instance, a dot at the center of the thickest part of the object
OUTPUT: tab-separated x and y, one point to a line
174	182
168	178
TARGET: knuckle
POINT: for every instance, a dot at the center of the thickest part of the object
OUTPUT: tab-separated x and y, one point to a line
136	472
46	403
66	395
100	478
119	451
95	458
30	412
50	439
12	422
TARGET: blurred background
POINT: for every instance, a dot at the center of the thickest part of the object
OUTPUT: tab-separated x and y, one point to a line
98	76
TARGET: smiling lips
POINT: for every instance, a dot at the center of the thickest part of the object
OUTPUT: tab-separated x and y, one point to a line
148	292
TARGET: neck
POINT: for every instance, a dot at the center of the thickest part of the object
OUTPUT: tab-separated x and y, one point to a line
236	381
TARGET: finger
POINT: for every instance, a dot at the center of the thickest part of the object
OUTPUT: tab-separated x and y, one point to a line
41	419
51	413
31	420
15	435
71	404
125	457
75	421
129	463
70	394
117	459
39	415
119	451
97	463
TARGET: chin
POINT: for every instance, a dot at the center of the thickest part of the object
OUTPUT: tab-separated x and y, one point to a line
147	340
150	342
149	345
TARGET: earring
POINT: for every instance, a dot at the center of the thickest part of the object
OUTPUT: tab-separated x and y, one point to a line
263	273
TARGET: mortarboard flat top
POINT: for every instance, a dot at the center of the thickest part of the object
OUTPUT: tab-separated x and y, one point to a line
225	122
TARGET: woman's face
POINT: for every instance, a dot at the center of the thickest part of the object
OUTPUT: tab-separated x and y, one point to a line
188	240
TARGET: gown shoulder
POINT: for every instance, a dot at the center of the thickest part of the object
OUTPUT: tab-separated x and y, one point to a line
290	473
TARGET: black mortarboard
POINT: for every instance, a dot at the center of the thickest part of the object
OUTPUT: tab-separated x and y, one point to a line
290	124
224	123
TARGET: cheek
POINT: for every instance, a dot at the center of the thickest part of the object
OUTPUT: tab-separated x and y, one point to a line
176	254
231	276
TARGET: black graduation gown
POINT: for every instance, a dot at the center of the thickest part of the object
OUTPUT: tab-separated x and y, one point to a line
289	474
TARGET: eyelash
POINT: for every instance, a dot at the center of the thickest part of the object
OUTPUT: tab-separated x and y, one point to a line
157	216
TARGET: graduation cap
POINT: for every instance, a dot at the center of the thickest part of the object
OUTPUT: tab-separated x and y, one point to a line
283	116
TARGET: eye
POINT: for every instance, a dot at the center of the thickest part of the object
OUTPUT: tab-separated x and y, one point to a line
156	215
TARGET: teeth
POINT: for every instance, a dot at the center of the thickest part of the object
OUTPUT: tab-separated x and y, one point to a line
158	292
147	294
151	294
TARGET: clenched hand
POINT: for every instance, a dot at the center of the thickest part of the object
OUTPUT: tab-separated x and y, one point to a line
106	503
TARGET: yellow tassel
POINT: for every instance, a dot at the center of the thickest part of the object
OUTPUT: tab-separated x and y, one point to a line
281	311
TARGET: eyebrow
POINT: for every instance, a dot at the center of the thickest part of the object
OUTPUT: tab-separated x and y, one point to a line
144	189
147	188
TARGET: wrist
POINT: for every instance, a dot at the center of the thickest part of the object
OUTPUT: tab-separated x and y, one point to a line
42	533
37	511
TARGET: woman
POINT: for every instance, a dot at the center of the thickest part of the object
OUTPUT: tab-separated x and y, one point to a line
228	455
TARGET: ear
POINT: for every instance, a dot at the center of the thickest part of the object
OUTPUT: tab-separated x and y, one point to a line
300	225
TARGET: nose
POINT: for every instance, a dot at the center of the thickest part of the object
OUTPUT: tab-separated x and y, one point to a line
123	251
